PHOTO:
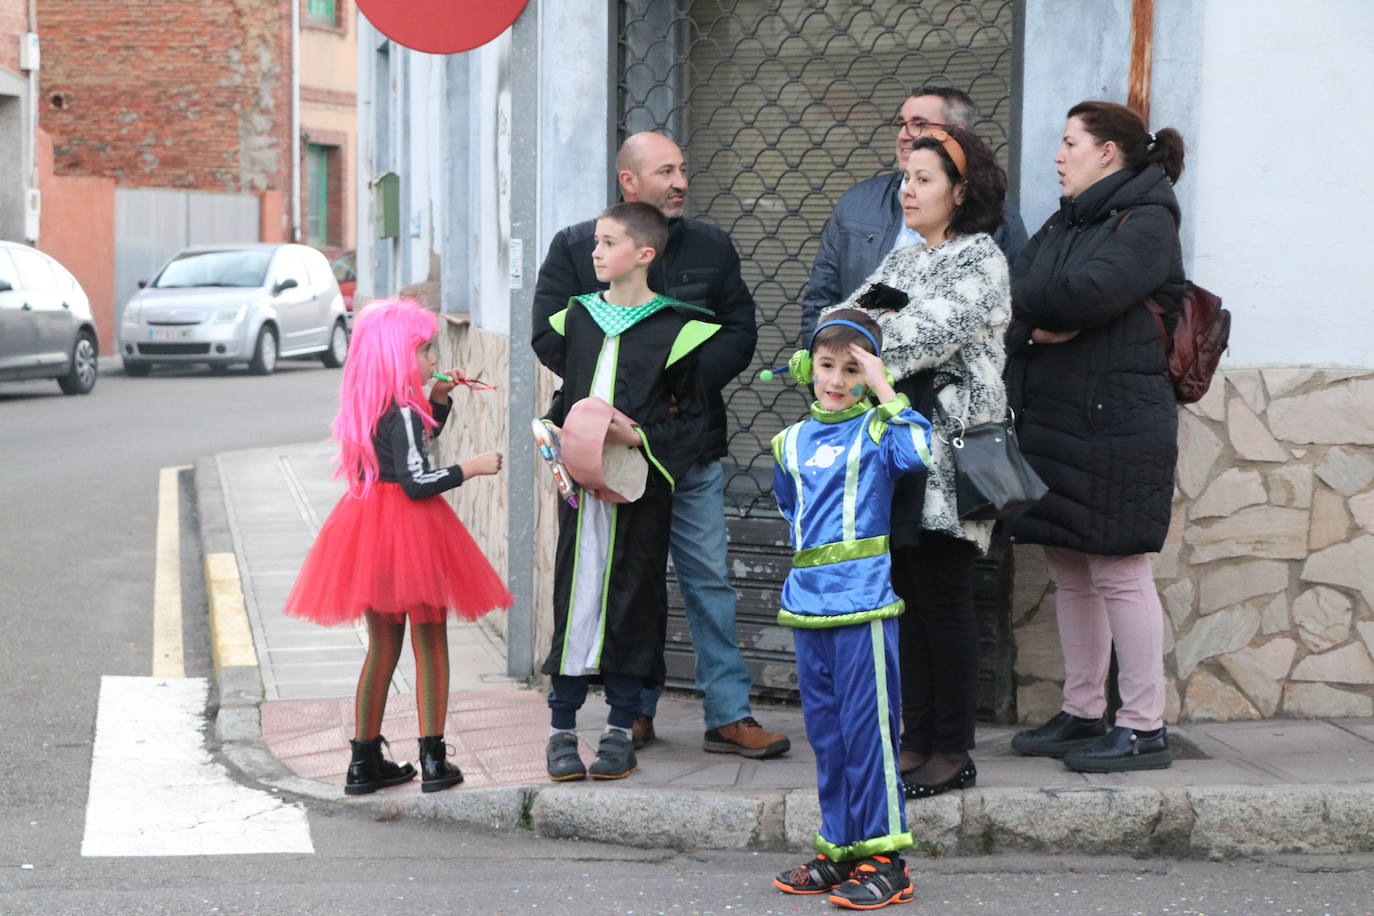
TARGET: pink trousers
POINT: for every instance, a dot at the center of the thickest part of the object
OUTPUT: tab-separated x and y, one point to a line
1104	600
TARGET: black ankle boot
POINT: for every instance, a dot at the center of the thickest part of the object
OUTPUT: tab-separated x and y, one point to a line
370	771
437	774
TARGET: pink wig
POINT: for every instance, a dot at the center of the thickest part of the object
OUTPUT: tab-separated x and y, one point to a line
381	370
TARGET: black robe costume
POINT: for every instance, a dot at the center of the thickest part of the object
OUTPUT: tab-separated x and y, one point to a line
610	578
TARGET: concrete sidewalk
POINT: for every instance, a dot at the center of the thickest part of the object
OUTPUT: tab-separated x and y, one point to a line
1254	787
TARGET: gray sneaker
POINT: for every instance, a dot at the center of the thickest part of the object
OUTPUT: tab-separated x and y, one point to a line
565	764
615	757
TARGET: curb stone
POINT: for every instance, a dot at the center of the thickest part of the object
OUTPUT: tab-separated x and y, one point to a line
651	818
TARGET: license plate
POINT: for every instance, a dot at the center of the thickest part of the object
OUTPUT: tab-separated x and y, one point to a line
169	334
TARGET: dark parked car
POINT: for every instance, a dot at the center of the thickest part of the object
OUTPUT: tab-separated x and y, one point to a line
345	268
46	329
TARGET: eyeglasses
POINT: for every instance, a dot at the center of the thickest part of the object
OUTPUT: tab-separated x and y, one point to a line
914	126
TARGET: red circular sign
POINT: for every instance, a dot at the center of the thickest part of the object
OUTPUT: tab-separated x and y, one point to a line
441	26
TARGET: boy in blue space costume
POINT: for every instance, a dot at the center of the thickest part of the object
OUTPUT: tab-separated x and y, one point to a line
833	481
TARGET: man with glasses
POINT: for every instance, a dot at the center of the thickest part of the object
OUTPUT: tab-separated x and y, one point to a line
867	221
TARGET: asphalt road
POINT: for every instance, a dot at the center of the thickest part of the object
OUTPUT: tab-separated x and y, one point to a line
78	506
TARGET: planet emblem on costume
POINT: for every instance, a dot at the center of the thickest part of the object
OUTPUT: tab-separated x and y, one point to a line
825	456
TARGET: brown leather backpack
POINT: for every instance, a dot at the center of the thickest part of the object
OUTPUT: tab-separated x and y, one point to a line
1200	338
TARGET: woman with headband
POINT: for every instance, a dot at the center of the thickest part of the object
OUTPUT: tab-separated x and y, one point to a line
943	307
1098	422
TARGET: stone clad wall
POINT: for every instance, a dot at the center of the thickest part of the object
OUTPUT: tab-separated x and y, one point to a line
477	424
1267	575
480	424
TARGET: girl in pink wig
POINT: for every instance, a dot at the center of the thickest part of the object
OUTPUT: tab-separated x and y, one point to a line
393	549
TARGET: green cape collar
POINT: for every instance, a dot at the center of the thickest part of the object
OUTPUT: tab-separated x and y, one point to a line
616	319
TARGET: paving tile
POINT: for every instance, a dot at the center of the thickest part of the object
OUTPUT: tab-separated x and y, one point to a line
326	766
352	655
780	773
687	773
302	744
1323	768
1272	737
528	757
331	672
1361	727
322	637
1020	772
510	719
1184	773
288	717
314	689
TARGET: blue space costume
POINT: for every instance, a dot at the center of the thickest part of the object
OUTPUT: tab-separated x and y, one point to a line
833	480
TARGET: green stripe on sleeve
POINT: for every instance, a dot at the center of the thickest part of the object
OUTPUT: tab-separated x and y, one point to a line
649	453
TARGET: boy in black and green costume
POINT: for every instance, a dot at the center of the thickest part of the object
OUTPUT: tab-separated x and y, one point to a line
637	351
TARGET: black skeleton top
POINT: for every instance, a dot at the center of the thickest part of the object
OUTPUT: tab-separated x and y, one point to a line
402	446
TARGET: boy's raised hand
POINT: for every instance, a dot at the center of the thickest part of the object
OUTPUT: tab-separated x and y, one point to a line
875	373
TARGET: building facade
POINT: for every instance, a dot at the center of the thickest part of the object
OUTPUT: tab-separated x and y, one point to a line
166	124
1268	574
329	124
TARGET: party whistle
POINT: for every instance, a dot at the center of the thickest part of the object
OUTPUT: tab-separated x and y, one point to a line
546	440
473	383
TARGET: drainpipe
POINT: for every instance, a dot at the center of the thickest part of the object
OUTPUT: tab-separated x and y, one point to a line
295	120
31	137
1142	57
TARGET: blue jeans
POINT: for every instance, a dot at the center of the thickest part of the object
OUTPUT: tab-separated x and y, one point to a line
698	548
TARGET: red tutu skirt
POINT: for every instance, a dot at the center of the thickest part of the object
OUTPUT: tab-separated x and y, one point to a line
398	556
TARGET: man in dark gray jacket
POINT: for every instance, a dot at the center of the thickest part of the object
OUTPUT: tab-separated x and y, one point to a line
867	221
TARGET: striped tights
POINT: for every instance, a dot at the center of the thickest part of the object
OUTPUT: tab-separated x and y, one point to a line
384	637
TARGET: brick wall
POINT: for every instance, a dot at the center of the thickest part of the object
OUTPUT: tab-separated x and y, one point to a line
164	93
14	21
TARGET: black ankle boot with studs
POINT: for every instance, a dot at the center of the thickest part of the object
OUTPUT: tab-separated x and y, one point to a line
436	773
370	771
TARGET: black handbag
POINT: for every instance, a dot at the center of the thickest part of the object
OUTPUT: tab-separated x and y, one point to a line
993	480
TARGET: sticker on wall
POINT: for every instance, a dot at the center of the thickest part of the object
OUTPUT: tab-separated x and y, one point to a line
441	26
517	263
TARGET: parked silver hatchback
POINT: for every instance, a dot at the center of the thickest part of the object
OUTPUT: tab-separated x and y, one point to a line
227	304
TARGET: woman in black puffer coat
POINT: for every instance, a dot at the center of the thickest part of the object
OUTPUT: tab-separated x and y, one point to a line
1088	379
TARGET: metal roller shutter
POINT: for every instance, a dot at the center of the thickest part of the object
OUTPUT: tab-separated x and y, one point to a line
781	106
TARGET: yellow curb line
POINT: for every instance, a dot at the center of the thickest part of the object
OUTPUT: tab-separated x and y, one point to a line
229	630
168	657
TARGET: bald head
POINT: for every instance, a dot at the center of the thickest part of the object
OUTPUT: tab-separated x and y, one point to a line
651	169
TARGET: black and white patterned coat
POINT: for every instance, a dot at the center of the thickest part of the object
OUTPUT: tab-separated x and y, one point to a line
959	304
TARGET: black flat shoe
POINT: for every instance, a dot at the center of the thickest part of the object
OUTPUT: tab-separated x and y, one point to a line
1059	736
1123	749
967	777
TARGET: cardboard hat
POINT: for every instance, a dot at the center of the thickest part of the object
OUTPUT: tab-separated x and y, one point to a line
609	471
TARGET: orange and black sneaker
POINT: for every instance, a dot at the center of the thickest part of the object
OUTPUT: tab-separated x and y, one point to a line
815	877
874	883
